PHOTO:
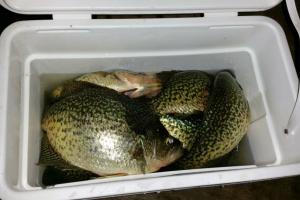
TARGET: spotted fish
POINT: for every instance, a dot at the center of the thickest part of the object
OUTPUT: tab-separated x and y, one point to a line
185	93
224	123
130	83
102	131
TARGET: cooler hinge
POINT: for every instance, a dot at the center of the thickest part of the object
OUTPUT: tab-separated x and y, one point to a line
71	16
220	14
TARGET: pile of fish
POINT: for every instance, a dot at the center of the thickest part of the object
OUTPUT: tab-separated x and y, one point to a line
122	122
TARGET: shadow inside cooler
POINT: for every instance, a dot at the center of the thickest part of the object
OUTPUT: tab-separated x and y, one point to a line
42	58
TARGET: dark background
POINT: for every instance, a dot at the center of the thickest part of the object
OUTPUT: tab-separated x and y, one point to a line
284	188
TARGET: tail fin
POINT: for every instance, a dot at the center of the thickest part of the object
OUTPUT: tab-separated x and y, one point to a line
54	175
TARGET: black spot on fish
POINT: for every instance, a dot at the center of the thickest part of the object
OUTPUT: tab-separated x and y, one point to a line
88	137
77	133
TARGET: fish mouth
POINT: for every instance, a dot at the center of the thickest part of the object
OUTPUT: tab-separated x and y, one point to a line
156	164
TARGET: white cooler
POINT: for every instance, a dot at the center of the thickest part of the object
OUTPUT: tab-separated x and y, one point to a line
37	55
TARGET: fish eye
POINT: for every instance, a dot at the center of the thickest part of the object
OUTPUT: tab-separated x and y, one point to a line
169	141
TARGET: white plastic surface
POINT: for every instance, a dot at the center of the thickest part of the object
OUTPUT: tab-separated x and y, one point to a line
37	55
291	5
136	6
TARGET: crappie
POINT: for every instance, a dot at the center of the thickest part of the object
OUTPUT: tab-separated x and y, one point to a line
102	131
184	93
224	124
131	83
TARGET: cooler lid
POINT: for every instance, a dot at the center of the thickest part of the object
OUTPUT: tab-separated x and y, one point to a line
135	6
